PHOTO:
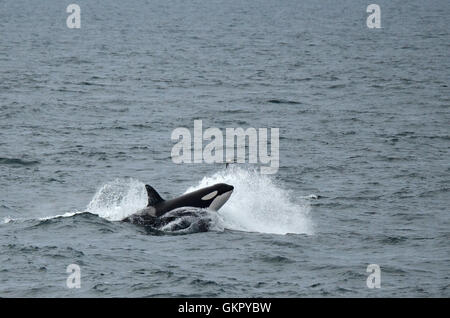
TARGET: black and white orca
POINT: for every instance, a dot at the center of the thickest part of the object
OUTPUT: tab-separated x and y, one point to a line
212	198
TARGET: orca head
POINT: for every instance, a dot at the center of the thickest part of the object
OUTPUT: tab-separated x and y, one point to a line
216	195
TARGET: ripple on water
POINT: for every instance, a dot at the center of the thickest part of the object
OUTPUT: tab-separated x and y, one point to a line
17	162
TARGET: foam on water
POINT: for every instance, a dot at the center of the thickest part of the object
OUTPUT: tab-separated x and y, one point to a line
9	219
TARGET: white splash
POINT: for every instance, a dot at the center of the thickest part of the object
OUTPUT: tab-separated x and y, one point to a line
118	199
65	215
7	219
258	204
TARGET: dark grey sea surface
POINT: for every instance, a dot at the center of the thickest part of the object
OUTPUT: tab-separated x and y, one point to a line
86	117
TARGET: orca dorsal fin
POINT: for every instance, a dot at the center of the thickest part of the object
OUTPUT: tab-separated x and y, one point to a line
153	196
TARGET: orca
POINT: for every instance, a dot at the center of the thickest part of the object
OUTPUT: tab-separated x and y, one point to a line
212	198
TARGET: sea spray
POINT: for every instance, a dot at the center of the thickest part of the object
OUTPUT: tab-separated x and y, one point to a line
259	204
118	199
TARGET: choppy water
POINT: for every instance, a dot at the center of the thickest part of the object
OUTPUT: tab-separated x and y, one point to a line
86	117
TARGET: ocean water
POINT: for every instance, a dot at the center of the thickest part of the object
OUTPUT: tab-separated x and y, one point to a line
86	117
